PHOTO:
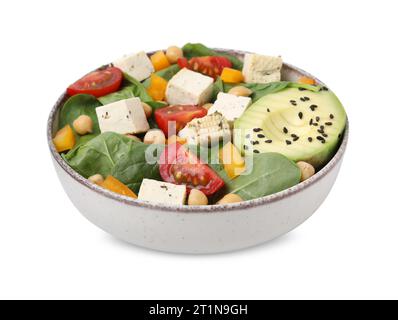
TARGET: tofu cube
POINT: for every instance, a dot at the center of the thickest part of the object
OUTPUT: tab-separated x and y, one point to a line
261	69
124	116
230	106
138	65
189	87
162	192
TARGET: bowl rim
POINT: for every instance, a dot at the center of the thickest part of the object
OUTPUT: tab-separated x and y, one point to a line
216	208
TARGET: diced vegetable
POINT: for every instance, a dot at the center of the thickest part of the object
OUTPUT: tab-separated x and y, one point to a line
160	61
233	162
157	88
176	139
306	80
64	139
115	185
230	75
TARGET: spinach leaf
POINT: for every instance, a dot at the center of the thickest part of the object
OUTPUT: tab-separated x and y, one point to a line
271	173
133	166
78	105
124	93
218	87
200	50
100	154
262	89
137	88
166	74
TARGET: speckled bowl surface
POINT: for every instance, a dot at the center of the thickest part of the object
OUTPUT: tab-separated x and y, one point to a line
197	229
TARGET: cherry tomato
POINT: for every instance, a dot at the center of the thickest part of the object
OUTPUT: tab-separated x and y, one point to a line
211	66
172	119
179	166
98	83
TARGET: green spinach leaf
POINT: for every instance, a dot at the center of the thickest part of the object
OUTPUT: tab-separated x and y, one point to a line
133	167
100	154
124	93
271	173
137	88
166	74
78	105
199	50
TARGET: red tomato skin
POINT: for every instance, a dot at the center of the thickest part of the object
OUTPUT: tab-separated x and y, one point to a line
211	66
82	86
181	117
177	154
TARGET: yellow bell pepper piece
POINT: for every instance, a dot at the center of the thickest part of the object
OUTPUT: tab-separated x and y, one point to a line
306	80
113	184
64	139
231	75
233	162
160	61
157	88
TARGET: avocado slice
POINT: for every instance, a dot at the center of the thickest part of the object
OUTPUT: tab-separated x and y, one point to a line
302	125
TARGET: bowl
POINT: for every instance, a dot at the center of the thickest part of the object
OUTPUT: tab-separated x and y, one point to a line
197	229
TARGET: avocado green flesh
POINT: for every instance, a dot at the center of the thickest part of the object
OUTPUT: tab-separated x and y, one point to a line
274	112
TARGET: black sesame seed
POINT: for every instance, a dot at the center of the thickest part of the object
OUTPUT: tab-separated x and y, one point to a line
293	102
306	99
313	107
256	151
320	138
302	99
339	136
288	142
317	119
254	142
331	116
324	135
311	121
285	130
268	141
268	110
309	139
300	115
324	89
328	123
293	135
315	124
257	129
245	147
320	131
302	89
296	138
261	135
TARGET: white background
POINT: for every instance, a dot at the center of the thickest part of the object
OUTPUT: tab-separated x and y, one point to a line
348	249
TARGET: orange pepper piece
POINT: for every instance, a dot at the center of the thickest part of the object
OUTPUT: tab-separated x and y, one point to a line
160	61
64	139
113	184
231	75
157	88
233	162
306	80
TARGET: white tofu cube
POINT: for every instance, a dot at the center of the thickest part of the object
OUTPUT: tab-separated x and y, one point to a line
162	192
124	116
261	69
138	65
189	87
230	106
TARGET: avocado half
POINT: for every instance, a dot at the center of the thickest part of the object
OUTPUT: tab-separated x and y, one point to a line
303	125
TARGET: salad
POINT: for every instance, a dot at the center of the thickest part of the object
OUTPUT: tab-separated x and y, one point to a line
193	126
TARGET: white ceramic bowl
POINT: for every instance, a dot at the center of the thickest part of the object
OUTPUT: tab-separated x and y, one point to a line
197	229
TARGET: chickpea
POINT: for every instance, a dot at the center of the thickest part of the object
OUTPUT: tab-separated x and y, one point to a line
240	91
207	106
97	179
197	198
133	137
147	109
230	198
155	136
83	124
307	170
173	53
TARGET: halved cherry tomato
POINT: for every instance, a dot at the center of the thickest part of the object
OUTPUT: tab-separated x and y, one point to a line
98	83
179	166
172	119
211	66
